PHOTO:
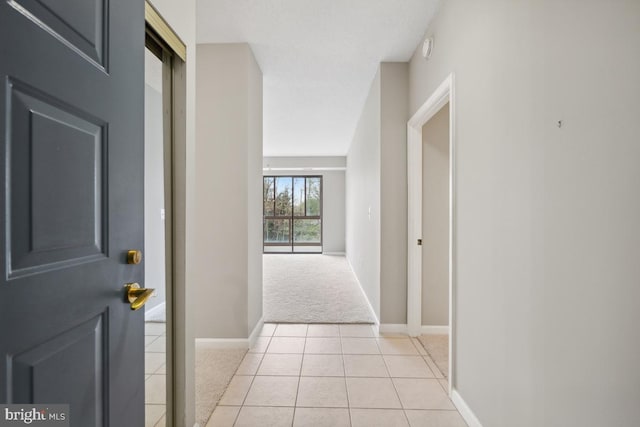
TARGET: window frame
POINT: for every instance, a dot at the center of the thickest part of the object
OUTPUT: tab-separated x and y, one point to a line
292	217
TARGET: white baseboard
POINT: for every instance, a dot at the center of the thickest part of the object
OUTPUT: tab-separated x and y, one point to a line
255	333
401	328
464	409
232	342
364	294
149	313
222	342
335	253
393	328
435	329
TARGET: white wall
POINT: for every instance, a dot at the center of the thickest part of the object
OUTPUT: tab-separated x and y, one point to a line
363	198
547	216
181	16
435	219
333	192
229	188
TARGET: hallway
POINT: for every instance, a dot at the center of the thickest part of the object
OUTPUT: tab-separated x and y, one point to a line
335	375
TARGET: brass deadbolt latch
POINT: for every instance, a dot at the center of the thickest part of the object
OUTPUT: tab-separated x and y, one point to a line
134	256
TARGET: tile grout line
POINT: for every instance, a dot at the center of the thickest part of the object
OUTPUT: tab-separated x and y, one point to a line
252	380
295	403
391	379
384	408
344	373
402	408
434	362
273	334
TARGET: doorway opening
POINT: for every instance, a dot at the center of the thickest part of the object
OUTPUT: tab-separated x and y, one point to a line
435	247
431	227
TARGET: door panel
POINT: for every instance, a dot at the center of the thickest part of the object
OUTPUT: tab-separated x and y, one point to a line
77	358
81	25
71	126
56	180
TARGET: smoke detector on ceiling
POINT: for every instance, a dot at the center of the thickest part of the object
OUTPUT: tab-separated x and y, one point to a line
427	48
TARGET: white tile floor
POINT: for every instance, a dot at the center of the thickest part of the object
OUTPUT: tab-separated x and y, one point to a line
335	375
155	374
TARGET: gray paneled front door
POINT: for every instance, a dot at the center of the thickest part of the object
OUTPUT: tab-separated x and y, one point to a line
71	126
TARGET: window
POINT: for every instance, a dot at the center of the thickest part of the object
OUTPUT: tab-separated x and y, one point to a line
292	214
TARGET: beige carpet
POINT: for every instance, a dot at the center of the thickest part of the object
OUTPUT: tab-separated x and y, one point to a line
438	348
214	370
300	288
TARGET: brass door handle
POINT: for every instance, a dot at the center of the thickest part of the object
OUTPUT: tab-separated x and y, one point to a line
137	296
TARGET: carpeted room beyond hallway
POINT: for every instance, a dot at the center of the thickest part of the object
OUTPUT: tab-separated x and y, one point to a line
312	288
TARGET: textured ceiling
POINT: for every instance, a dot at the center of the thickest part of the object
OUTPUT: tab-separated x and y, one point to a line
318	59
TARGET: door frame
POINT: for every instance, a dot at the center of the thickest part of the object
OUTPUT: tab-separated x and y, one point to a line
439	98
180	365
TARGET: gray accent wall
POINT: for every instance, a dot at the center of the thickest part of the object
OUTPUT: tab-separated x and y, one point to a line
547	213
333	191
229	187
394	113
377	195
